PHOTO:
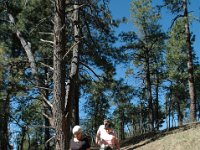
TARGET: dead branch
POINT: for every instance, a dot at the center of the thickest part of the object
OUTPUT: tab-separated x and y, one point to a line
46	41
51	68
50	119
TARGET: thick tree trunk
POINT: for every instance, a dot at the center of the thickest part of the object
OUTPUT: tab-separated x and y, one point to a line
71	101
190	67
75	65
59	75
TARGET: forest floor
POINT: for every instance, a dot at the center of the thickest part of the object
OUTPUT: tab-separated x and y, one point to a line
186	137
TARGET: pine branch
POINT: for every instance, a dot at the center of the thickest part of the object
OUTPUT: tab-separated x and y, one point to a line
174	20
91	70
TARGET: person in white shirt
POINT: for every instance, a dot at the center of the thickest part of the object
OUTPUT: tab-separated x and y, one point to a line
106	137
100	131
109	139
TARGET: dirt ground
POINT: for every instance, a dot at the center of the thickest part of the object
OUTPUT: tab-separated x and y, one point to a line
184	138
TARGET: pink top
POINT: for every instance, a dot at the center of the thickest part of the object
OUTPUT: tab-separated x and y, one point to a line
107	138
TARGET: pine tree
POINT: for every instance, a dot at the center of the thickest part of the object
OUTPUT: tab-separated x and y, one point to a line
180	7
146	49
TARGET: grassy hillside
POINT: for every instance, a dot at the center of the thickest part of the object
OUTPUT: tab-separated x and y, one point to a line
186	137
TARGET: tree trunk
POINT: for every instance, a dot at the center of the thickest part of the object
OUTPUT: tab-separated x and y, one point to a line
166	113
169	111
72	83
76	104
180	114
75	65
59	75
157	102
122	126
46	111
4	118
190	67
149	95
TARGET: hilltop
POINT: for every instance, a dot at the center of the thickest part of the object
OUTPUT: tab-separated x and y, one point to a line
186	137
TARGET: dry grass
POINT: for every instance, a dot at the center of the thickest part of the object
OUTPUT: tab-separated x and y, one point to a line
186	137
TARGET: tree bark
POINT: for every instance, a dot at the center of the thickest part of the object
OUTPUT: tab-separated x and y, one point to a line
156	101
75	65
180	113
59	75
46	111
190	66
71	101
149	95
4	118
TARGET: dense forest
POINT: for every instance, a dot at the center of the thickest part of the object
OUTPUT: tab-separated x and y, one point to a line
59	59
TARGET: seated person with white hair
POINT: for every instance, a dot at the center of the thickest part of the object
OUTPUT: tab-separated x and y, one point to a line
79	141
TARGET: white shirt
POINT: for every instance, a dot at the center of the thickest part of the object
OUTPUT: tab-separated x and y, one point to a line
103	134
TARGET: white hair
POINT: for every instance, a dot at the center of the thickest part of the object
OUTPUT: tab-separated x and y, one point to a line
76	129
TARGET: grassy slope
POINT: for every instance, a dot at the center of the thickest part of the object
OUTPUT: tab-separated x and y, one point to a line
186	137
